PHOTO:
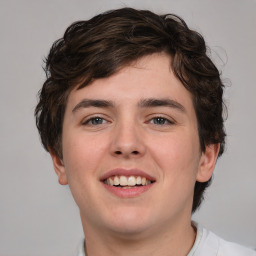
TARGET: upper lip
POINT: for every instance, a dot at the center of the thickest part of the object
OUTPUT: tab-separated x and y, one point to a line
126	172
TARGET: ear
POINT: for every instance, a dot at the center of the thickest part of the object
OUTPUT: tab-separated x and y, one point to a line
207	162
59	168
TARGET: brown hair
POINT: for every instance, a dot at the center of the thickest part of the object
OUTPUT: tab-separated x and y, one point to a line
101	46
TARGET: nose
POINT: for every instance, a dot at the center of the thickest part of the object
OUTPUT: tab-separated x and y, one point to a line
128	141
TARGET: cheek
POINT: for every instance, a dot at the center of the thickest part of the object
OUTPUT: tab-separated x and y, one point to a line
82	154
82	157
177	155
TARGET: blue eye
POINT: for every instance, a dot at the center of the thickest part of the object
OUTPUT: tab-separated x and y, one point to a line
95	121
160	121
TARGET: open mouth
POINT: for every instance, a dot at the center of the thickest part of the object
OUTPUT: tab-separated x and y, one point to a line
127	181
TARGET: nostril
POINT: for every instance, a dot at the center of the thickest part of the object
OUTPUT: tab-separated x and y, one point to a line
135	152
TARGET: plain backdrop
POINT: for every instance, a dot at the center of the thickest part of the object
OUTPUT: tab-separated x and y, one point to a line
37	215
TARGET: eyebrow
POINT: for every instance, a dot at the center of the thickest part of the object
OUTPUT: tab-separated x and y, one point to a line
86	103
152	102
144	103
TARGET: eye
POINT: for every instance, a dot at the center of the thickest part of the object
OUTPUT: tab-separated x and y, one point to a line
95	121
160	121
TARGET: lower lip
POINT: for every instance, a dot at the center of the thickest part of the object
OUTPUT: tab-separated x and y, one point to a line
128	192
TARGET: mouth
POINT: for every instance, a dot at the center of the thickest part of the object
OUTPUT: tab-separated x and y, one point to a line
127	181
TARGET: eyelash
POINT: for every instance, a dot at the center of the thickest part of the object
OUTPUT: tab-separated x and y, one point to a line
160	118
163	121
92	119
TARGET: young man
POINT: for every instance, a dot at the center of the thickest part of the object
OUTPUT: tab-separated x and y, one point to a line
131	113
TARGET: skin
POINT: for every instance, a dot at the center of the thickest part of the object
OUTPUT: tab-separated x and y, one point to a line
129	135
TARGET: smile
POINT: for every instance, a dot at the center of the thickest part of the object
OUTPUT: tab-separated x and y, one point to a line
127	181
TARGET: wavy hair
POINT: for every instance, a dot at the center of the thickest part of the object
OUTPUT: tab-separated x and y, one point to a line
101	46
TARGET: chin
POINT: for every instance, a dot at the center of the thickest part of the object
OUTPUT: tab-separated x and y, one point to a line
129	231
130	222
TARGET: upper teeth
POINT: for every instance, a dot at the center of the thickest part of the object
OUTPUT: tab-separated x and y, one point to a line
127	181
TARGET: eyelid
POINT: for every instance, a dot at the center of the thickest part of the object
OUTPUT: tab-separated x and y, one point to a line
93	116
169	119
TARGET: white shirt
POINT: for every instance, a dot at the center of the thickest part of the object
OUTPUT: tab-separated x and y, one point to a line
207	244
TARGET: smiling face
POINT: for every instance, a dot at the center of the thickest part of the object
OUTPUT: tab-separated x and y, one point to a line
131	152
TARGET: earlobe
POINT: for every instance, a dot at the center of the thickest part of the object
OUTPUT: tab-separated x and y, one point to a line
207	162
59	168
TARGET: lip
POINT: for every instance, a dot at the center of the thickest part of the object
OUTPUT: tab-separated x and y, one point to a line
127	192
131	191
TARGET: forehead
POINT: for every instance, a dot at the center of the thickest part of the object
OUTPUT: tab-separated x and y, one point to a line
147	77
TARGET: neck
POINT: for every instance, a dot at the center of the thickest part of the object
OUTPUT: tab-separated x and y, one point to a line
175	240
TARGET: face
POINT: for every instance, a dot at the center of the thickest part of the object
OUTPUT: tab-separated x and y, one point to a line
131	153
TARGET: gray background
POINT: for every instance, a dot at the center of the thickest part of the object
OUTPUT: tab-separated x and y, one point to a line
37	215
